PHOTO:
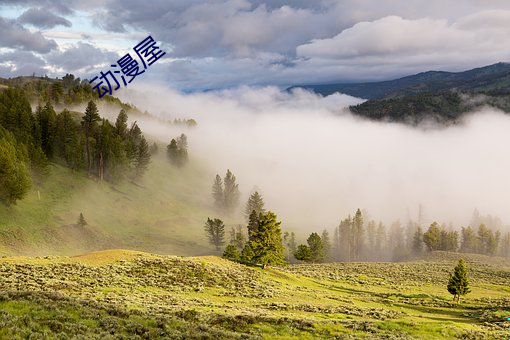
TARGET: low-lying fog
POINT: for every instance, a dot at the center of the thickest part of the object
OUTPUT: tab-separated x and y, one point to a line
315	163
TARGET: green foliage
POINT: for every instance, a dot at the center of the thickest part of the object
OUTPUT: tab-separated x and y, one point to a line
303	253
232	253
215	231
432	237
14	176
231	192
237	237
143	158
266	241
89	122
316	246
458	283
255	203
217	192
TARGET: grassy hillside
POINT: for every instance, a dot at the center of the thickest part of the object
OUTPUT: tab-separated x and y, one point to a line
164	213
128	294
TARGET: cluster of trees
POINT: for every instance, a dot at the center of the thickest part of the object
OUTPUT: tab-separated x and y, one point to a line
226	193
30	140
183	122
357	240
177	151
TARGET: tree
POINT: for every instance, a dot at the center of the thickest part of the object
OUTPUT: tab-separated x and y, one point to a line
432	237
231	192
177	151
326	243
418	241
217	192
266	241
458	284
469	241
81	220
89	122
303	253
215	230
357	234
289	239
316	247
255	203
345	234
14	175
237	237
121	126
231	253
143	158
247	254
253	224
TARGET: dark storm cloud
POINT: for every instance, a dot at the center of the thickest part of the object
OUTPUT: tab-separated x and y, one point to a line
16	36
82	55
42	18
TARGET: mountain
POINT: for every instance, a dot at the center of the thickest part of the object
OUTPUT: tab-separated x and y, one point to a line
493	79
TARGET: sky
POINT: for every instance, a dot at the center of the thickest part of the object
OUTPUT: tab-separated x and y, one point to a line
222	44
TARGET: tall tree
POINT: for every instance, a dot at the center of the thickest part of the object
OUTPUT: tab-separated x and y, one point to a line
326	243
266	241
345	231
289	240
418	241
255	203
215	231
237	237
89	122
217	192
316	247
470	243
14	176
143	158
357	233
231	192
458	283
121	126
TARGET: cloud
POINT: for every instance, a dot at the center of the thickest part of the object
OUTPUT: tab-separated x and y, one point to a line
21	62
81	57
42	18
15	36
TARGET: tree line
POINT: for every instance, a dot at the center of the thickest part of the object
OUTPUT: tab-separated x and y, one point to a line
83	142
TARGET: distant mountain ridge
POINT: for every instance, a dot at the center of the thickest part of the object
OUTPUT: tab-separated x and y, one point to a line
492	79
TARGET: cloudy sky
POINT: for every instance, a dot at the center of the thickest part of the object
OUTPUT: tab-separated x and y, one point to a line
226	43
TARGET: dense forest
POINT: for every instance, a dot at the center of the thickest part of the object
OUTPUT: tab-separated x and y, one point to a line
84	142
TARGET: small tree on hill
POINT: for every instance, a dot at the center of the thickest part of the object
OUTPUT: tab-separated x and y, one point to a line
215	230
458	284
266	241
81	221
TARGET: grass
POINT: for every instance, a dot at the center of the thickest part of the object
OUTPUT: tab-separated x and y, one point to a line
164	212
118	293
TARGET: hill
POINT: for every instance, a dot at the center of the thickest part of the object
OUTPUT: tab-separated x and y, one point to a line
494	79
114	294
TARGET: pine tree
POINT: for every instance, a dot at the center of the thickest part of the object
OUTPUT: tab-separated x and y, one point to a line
326	243
432	237
316	247
232	253
143	158
215	230
345	233
247	254
121	126
266	241
14	175
89	122
81	221
458	283
231	192
303	253
470	243
255	203
217	193
237	237
418	241
357	234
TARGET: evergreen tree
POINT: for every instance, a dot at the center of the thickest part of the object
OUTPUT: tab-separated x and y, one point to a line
14	176
316	247
177	151
247	254
470	243
217	192
89	122
253	224
303	253
232	253
67	140
231	192
418	241
505	245
458	283
266	241
432	237
357	235
381	241
46	119
326	243
255	203
81	220
143	158
345	231
121	126
215	231
237	237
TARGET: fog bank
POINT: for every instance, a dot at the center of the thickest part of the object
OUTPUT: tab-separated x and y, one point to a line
315	163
